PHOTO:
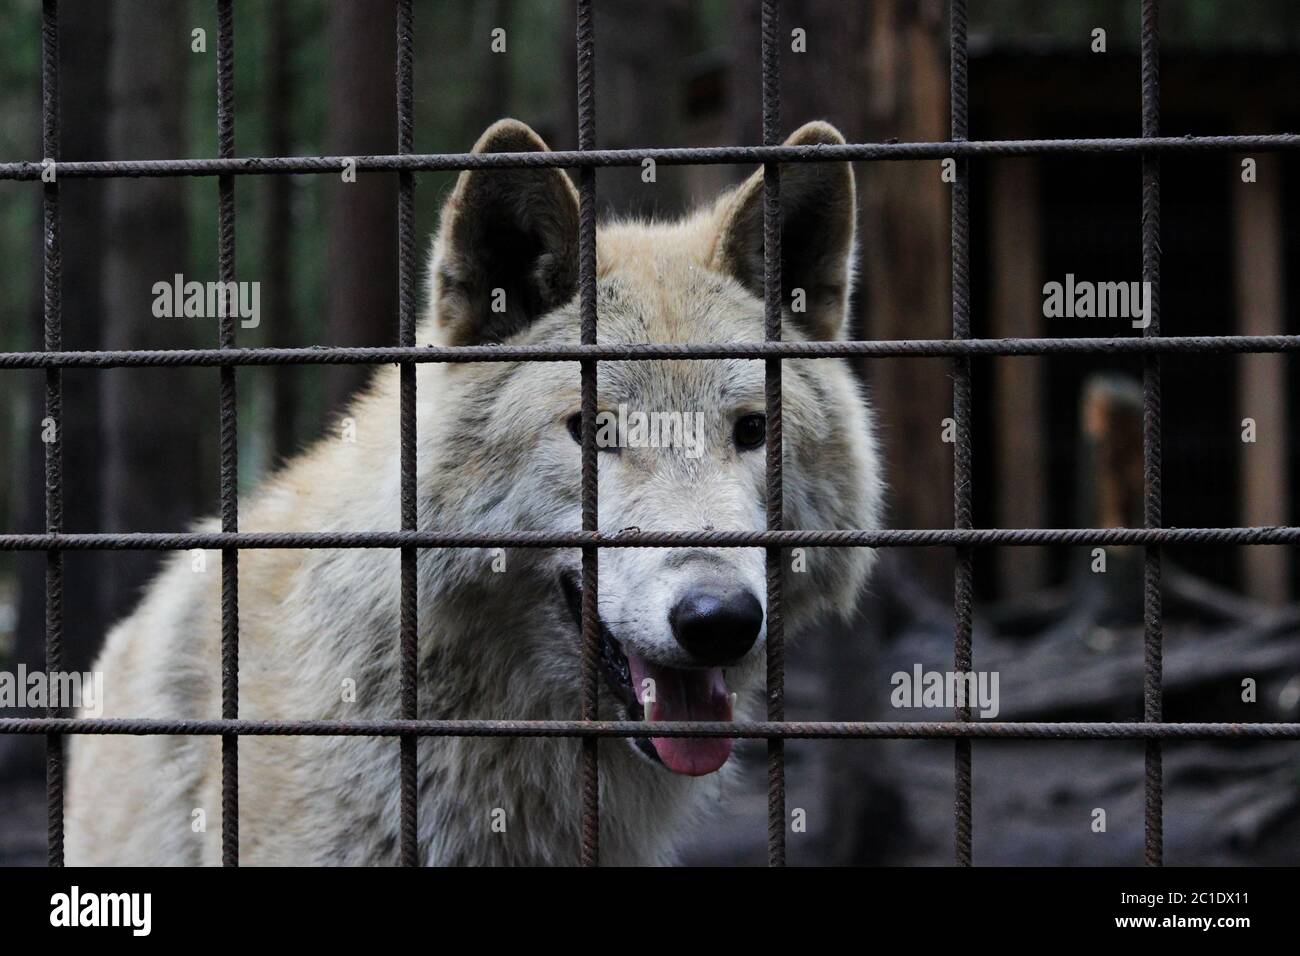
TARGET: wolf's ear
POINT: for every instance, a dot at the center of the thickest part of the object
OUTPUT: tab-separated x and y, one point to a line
507	248
818	214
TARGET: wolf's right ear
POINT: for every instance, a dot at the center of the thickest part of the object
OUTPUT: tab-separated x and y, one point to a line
507	248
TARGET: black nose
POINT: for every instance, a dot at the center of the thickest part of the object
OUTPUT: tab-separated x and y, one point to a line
717	627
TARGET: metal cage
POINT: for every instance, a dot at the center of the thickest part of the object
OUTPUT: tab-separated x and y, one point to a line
963	537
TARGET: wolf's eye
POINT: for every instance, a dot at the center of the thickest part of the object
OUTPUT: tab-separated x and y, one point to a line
751	431
575	427
575	430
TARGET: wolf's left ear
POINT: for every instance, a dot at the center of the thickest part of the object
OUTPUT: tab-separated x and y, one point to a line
507	248
818	218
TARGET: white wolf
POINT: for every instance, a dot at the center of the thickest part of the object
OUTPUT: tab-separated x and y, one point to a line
496	454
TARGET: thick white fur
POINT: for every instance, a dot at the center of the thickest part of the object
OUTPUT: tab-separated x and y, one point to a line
494	455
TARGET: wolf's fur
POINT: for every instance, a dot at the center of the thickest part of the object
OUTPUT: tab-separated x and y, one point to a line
495	455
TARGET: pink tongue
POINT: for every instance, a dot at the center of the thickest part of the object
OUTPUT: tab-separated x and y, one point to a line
685	695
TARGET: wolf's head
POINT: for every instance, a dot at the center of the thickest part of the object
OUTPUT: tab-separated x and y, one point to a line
681	442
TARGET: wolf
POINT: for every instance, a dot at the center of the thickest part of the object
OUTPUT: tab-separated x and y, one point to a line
683	631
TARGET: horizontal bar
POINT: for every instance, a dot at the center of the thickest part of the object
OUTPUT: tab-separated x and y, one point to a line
758	730
671	156
635	538
883	348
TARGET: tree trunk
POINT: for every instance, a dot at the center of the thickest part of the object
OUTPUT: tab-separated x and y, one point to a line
640	53
152	447
362	306
824	79
84	41
278	120
494	68
905	251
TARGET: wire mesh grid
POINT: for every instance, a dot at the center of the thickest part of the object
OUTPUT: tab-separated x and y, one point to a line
963	536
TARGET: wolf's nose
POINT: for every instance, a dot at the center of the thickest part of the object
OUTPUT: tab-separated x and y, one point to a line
716	627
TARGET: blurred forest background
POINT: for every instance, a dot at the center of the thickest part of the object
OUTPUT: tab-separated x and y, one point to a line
316	77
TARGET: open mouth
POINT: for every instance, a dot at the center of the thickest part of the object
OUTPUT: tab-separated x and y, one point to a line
675	693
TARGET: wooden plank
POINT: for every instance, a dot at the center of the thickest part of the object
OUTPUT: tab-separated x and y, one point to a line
1020	458
1265	479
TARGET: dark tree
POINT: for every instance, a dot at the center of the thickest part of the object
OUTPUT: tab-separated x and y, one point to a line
84	41
362	277
278	238
824	79
494	70
641	54
151	447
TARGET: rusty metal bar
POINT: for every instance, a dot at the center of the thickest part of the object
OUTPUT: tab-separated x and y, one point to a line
52	278
963	572
409	613
1153	625
759	730
672	156
636	538
586	81
229	440
651	351
772	302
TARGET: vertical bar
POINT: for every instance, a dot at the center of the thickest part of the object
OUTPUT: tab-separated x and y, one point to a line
406	338
1151	444
229	441
52	269
961	412
771	65
586	46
